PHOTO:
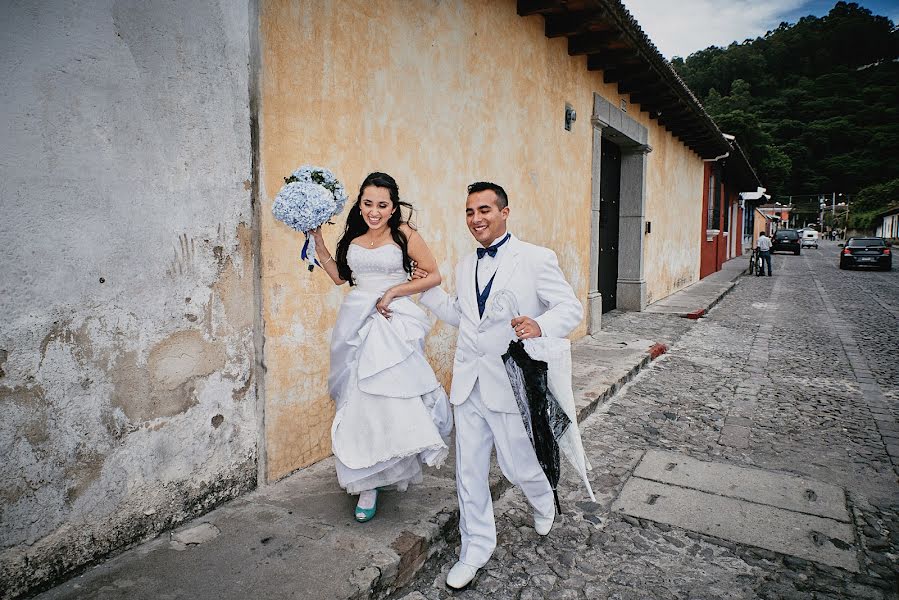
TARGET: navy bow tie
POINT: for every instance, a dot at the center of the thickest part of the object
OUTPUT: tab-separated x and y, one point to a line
491	250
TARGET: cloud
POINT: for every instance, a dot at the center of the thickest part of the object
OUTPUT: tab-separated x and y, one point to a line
682	27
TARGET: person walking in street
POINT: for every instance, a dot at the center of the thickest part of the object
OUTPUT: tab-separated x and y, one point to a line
764	246
392	413
485	410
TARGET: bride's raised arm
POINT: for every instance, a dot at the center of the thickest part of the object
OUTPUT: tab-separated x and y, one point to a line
325	258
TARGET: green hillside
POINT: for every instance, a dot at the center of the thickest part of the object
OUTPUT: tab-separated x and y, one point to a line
815	104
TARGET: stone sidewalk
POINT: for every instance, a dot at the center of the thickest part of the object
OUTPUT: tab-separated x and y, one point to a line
297	538
695	300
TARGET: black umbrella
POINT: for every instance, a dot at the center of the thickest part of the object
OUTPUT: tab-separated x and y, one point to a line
543	417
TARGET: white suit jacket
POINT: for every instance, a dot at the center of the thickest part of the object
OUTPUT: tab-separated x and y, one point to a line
533	275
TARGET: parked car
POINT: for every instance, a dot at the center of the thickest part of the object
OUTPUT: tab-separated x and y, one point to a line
809	238
868	252
786	240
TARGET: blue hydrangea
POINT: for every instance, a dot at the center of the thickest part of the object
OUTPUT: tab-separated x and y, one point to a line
326	179
304	206
311	196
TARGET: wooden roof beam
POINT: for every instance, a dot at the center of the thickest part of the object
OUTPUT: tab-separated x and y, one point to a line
686	131
650	94
702	151
611	58
651	91
692	140
570	23
693	136
656	96
592	42
527	8
673	109
644	76
629	74
648	105
677	121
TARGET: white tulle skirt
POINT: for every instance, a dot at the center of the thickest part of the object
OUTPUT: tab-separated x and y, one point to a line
392	413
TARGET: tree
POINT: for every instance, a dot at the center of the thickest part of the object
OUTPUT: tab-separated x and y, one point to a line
814	104
871	201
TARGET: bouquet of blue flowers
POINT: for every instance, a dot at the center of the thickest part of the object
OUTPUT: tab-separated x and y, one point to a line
308	199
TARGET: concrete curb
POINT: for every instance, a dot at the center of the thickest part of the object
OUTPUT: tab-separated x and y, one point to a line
695	301
733	284
607	394
721	296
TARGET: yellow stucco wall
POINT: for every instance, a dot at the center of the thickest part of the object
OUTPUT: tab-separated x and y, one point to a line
438	95
759	225
671	252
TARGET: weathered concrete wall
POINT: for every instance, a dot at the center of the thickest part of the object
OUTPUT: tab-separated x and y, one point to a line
438	94
671	252
126	344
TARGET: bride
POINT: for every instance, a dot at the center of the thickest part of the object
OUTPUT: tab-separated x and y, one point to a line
392	414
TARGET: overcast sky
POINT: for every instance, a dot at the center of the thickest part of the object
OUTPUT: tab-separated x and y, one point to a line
685	26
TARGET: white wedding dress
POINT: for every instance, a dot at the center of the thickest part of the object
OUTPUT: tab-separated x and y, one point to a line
392	413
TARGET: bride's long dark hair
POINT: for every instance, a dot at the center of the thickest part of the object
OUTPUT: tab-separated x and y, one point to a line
356	225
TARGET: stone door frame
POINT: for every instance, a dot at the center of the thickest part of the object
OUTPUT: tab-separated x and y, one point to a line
617	126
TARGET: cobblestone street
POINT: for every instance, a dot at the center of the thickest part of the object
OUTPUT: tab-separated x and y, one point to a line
796	374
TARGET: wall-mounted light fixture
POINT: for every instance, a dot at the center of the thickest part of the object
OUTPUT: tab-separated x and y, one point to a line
648	226
570	116
623	105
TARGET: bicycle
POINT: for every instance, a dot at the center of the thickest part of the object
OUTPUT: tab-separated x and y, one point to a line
755	262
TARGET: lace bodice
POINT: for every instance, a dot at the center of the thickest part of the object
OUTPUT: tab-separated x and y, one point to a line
376	269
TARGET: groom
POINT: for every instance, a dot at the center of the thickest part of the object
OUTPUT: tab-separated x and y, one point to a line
486	412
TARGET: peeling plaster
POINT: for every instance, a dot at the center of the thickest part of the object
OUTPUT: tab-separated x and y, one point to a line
127	343
166	386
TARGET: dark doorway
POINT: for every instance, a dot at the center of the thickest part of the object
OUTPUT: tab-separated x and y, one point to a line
610	196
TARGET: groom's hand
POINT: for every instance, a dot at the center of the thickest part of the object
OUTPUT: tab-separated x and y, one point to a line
526	328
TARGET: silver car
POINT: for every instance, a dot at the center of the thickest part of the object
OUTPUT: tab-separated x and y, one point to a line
809	238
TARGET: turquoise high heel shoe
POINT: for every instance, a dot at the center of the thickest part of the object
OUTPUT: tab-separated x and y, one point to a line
366	514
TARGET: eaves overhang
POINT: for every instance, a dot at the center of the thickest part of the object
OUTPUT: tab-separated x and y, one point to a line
739	170
892	210
614	44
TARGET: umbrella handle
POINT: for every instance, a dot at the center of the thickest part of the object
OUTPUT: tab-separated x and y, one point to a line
504	297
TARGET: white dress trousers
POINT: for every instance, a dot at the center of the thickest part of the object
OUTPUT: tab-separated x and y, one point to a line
478	431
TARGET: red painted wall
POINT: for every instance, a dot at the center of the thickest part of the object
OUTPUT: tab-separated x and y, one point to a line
714	250
709	249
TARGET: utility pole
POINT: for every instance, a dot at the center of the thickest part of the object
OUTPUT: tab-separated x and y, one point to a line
846	222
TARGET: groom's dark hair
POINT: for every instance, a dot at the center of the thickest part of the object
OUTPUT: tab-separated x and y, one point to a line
502	200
